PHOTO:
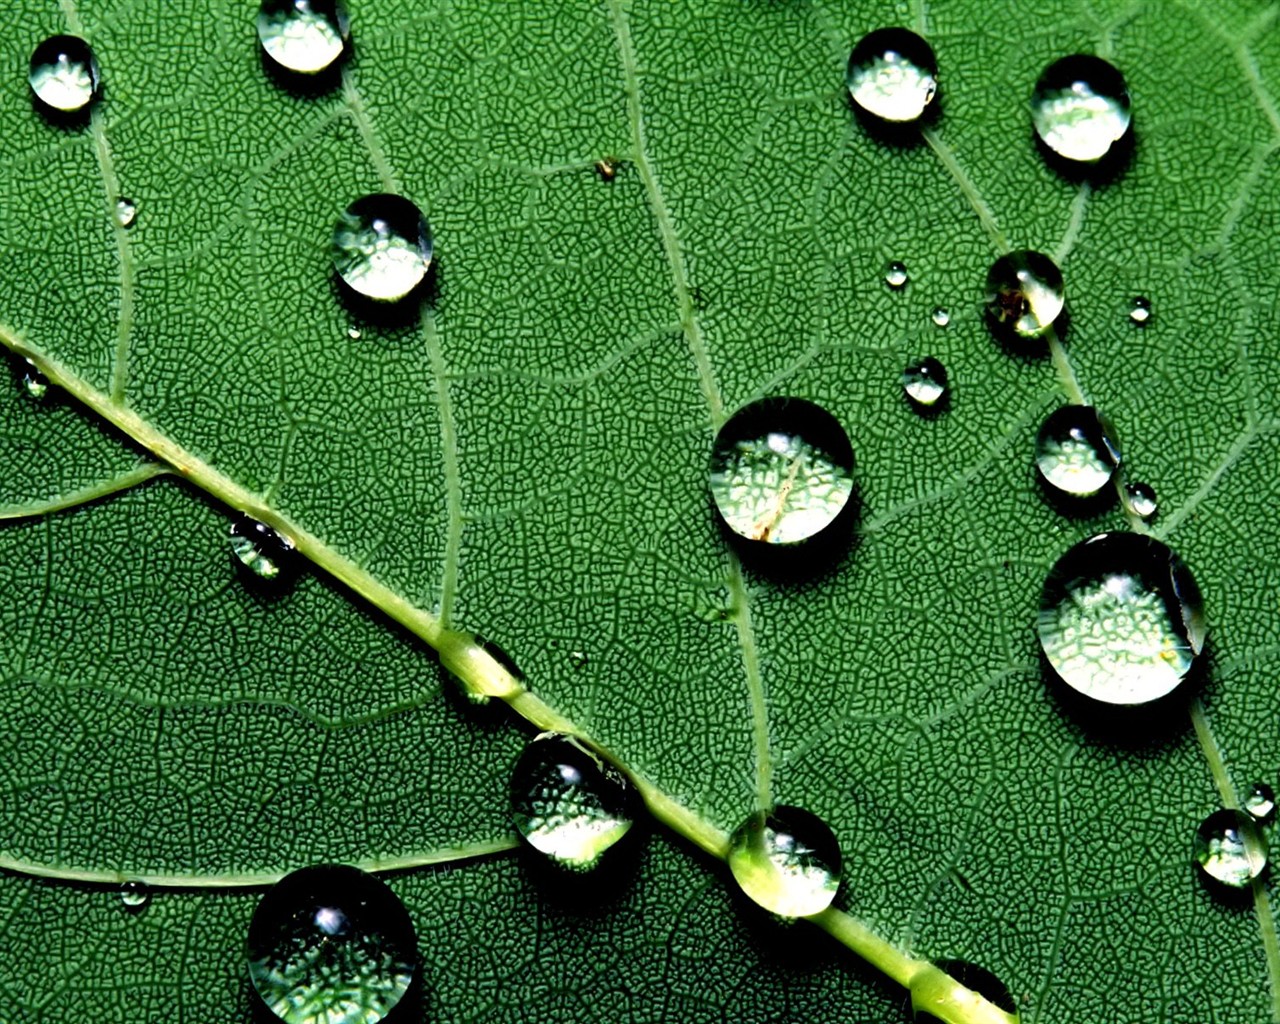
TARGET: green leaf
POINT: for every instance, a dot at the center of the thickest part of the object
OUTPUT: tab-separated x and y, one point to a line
529	461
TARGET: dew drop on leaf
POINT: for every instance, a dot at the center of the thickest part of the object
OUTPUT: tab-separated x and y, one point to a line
1141	499
1080	107
304	37
382	247
331	945
354	333
34	383
1230	848
1121	619
1025	294
1260	802
1140	310
781	471
892	75
940	316
787	860
569	803
135	896
971	976
925	382
895	274
64	74
125	212
260	549
481	668
1076	453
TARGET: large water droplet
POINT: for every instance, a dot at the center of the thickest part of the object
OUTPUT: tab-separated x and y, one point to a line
781	471
1260	802
1230	849
1075	451
135	896
305	37
34	383
788	861
940	316
1025	294
259	548
64	74
382	247
1121	619
1140	310
126	211
331	945
1142	500
1080	107
925	382
568	802
892	75
895	274
931	992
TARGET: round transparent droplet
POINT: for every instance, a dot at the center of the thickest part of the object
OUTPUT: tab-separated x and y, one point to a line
1076	452
569	803
1121	619
1140	310
126	212
305	37
382	247
354	333
1260	802
940	316
331	945
260	549
781	471
34	383
1230	848
935	990
64	74
578	659
135	896
925	382
895	275
788	861
1141	499
1025	294
892	75
1080	107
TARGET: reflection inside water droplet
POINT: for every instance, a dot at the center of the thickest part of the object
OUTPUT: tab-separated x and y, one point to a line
1230	849
787	861
382	247
892	75
925	382
34	383
1080	107
1076	453
64	74
1025	294
305	37
260	549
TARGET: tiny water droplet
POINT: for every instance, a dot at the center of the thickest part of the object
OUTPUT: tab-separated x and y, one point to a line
925	382
1025	294
331	945
382	247
940	316
578	659
126	211
1230	849
1080	107
607	168
305	37
1075	451
354	333
135	896
1142	500
781	471
788	861
892	75
1140	310
933	992
1260	802
64	74
895	275
34	383
569	803
1121	619
259	548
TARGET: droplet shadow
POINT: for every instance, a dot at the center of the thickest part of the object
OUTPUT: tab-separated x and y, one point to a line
809	562
1098	174
904	135
380	315
596	892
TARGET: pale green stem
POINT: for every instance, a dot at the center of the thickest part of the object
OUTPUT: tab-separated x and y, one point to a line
967	188
85	495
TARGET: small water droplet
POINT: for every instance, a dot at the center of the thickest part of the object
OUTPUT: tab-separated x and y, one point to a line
481	667
788	861
1076	452
781	471
925	382
1260	802
64	74
305	37
1142	500
1025	294
895	275
354	333
331	945
932	992
578	659
1230	849
569	803
940	316
1121	619
607	168
34	383
892	75
1140	310
382	247
1080	107
135	896
260	549
126	211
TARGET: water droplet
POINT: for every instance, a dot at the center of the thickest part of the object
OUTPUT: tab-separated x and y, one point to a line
34	383
382	247
569	803
781	471
895	275
1080	107
607	168
931	991
787	861
1075	451
1230	849
1260	802
578	659
940	316
259	548
1025	294
1140	310
1121	619
331	945
135	896
126	211
64	74
925	382
305	37
892	75
482	668
1142	500
354	333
